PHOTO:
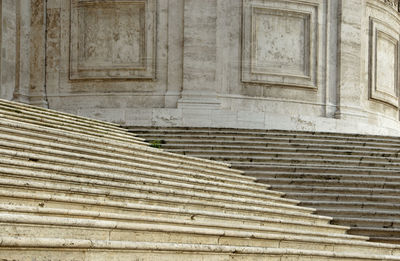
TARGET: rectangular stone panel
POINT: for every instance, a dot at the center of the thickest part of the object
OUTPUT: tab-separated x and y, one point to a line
383	73
281	42
386	63
112	39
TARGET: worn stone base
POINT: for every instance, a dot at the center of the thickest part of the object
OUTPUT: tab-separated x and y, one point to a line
373	124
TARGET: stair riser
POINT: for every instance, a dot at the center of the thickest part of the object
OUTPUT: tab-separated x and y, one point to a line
267	138
331	183
313	154
144	165
244	157
49	123
341	191
61	115
93	150
368	223
48	135
101	160
22	230
104	188
151	187
143	218
192	132
325	162
342	198
265	142
284	147
43	254
121	205
352	205
65	121
250	170
354	167
269	177
386	233
353	213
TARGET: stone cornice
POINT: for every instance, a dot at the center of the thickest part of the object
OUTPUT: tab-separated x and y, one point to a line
392	3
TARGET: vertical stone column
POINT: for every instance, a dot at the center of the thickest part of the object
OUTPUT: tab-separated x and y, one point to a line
199	55
175	54
22	64
349	59
8	48
38	54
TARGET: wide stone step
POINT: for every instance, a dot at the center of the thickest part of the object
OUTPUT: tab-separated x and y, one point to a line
388	233
260	156
87	165
41	137
147	187
267	176
145	131
166	215
387	217
69	174
100	195
352	177
180	217
23	167
306	159
258	141
99	250
280	147
269	134
385	223
73	153
341	197
24	112
341	190
58	114
62	138
251	169
138	190
277	152
175	234
355	183
330	161
171	233
65	126
367	206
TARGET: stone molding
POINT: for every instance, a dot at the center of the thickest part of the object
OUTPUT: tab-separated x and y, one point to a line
392	3
267	58
119	45
383	63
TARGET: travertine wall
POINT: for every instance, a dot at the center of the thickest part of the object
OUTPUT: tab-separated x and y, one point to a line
328	65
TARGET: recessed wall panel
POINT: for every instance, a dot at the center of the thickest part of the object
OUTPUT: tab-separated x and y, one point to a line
281	42
383	73
112	39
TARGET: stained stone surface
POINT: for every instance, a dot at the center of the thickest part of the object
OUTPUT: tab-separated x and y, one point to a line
313	64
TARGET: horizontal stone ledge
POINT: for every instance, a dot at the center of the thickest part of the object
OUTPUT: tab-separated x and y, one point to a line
9	213
259	222
111	144
269	234
47	243
216	194
111	162
234	205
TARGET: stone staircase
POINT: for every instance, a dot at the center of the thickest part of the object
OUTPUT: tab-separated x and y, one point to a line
353	178
78	189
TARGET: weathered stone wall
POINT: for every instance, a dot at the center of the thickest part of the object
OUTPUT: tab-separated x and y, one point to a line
310	64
